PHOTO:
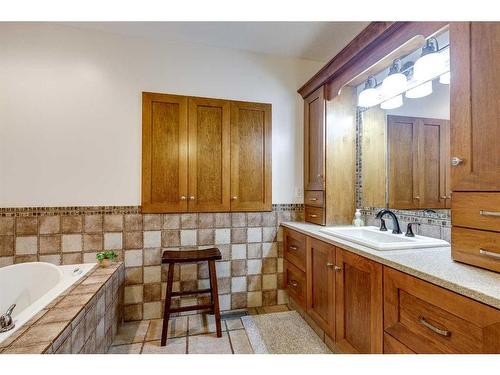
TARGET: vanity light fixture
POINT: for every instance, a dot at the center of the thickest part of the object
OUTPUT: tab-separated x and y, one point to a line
420	91
392	103
445	78
430	63
369	96
395	82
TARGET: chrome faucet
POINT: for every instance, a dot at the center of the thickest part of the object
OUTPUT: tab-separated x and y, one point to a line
395	222
6	322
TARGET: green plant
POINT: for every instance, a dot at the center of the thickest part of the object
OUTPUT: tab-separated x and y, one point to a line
108	254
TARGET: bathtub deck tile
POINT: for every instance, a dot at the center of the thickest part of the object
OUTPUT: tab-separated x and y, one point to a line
60	315
40	334
74	300
32	349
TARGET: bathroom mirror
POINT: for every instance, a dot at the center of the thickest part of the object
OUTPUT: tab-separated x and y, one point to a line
403	131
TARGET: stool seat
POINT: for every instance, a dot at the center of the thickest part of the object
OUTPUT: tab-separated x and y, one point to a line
191	256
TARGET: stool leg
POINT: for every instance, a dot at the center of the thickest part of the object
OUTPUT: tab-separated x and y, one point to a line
168	300
215	296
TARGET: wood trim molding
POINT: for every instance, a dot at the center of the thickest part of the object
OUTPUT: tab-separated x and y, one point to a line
372	44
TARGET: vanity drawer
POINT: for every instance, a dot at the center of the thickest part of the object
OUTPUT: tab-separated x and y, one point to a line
476	210
315	215
294	248
314	198
477	247
295	282
426	318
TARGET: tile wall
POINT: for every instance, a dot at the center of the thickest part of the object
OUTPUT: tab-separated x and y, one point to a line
249	275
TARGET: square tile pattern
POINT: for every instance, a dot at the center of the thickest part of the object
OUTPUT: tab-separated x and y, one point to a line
191	334
249	274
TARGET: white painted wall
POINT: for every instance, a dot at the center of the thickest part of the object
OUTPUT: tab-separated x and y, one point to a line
70	109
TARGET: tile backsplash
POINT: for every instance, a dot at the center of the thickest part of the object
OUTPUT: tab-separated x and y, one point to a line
249	275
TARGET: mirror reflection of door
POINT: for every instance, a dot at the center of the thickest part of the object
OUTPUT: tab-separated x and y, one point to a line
417	159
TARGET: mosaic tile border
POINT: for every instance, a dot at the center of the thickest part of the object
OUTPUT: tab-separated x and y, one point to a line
103	210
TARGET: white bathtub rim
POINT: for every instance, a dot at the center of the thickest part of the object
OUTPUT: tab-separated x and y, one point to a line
68	279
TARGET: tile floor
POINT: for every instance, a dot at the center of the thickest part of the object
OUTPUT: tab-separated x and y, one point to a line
188	334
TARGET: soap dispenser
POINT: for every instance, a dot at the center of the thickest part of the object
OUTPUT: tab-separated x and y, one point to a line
357	221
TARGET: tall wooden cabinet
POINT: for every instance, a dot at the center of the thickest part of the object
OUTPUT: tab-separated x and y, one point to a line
205	155
475	150
329	140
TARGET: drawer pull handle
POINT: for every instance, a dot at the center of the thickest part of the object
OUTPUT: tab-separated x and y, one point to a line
442	332
489	213
293	283
313	199
489	253
293	247
313	215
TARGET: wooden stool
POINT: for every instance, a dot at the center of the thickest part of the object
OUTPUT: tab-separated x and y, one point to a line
191	256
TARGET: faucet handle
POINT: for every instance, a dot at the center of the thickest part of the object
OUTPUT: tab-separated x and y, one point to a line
10	309
383	228
409	230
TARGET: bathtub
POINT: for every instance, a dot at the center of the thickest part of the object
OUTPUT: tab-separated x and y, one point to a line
32	286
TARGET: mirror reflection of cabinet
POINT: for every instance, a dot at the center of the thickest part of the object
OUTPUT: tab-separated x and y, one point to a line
418	154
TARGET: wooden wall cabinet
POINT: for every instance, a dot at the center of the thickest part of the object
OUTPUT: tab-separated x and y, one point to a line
250	157
329	140
358	303
321	284
475	150
164	153
205	155
418	165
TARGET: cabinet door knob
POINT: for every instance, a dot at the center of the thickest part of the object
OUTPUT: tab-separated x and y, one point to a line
455	161
192	198
183	198
313	199
293	283
292	247
330	264
337	268
417	197
313	215
444	197
234	198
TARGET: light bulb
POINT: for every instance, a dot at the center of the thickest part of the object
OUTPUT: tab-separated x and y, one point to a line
445	78
428	66
420	91
393	84
368	97
393	103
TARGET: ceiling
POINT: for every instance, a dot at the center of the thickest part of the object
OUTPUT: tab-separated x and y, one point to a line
318	41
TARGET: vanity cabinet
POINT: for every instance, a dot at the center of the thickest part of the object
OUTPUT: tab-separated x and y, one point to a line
424	318
321	284
205	155
358	303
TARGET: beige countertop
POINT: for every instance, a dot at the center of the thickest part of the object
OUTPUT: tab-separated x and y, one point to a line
433	265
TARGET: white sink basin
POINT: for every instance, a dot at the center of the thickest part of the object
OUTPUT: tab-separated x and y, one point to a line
372	237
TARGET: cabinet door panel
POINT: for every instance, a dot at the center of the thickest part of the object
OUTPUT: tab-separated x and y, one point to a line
321	284
433	157
402	166
314	141
250	156
475	112
358	303
209	177
164	153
